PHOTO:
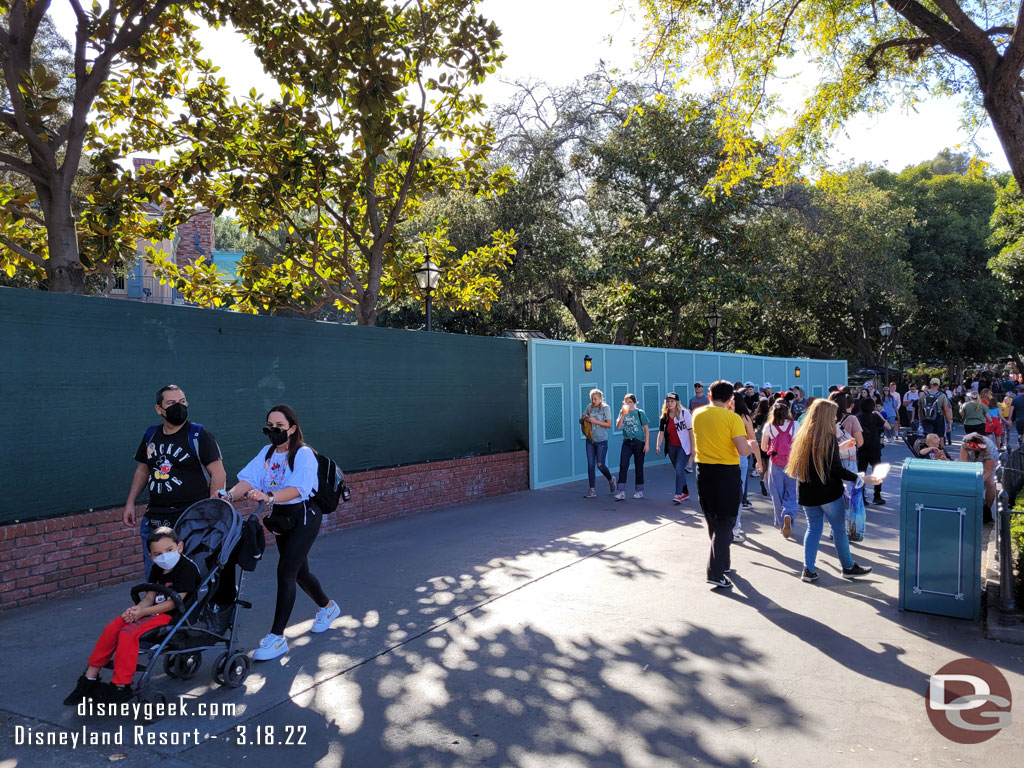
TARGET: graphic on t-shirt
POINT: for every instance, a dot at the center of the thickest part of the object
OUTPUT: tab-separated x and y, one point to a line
168	458
275	472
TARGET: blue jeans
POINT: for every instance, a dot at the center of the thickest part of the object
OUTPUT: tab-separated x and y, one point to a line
596	455
782	488
744	463
679	459
835	511
855	514
750	462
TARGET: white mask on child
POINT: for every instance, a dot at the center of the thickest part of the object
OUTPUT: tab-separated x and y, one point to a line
167	560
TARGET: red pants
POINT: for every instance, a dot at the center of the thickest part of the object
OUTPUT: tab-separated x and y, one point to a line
121	640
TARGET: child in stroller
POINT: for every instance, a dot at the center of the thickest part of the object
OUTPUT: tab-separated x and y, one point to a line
120	639
197	614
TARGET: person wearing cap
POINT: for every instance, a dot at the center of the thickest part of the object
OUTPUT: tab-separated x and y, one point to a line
676	429
750	395
973	413
699	399
934	409
766	389
977	447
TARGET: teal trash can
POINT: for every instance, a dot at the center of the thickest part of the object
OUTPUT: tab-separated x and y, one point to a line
940	537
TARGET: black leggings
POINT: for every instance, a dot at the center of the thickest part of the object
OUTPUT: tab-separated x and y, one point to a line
293	564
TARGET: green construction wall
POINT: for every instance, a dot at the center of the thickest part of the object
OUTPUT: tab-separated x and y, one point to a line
80	375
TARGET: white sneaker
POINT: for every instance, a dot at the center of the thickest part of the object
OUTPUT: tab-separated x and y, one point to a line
325	616
620	495
638	495
271	647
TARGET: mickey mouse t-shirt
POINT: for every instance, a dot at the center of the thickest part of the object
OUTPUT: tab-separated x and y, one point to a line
176	478
183	578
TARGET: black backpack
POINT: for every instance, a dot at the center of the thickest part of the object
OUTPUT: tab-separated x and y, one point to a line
330	486
930	405
330	483
251	543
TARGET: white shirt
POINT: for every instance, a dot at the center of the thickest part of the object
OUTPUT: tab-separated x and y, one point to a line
273	474
911	397
772	431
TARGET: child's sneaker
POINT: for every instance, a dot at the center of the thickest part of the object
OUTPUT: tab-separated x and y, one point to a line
84	689
638	495
324	617
620	495
271	647
115	694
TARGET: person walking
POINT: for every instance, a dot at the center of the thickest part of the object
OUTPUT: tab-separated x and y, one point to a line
720	438
973	413
1017	414
910	406
891	411
741	410
815	464
636	443
1005	408
851	437
179	462
284	476
869	454
760	418
776	442
599	415
935	409
676	428
699	399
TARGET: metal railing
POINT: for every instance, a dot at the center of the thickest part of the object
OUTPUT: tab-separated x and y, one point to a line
1011	481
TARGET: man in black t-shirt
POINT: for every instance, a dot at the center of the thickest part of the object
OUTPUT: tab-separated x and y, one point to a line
179	462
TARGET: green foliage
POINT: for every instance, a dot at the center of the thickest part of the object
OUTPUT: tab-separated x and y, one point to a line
856	57
1008	266
371	94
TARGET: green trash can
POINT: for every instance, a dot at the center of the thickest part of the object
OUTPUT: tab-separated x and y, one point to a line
940	537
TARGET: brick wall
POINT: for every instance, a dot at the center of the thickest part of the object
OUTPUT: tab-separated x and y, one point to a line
55	557
202	225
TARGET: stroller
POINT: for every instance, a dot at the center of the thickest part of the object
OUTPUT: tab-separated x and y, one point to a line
210	531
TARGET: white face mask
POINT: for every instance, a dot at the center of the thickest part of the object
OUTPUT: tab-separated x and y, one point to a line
167	560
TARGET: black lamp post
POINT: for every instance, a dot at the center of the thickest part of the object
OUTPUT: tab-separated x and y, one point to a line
714	323
427	278
886	330
899	355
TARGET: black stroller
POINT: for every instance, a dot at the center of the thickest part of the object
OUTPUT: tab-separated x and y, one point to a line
210	531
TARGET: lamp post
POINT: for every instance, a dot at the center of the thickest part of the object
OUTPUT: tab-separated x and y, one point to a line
714	323
427	278
899	355
886	330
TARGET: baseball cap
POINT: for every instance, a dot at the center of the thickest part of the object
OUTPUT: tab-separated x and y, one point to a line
766	385
748	383
673	395
936	382
972	395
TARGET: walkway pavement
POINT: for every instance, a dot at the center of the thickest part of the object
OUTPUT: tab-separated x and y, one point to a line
543	629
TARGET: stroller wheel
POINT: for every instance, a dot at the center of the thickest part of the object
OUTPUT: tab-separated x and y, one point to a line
183	665
218	668
236	669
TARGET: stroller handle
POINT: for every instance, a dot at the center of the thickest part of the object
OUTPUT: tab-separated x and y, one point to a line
139	589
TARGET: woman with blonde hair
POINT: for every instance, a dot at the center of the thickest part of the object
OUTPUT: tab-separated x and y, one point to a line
599	416
815	464
676	428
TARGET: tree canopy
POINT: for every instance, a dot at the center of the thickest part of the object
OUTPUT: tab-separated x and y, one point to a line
857	57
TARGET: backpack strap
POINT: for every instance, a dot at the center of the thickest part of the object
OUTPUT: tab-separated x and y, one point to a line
193	440
150	433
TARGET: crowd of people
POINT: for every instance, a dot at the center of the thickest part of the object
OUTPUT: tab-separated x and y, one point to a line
818	455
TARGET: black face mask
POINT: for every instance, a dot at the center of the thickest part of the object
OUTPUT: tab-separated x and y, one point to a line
277	435
176	414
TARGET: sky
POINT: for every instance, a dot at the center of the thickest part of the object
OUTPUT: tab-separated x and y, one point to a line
561	41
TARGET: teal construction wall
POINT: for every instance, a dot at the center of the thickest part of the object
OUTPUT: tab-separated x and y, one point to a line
80	375
560	390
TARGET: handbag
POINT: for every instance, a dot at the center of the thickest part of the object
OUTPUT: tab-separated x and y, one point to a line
587	426
846	454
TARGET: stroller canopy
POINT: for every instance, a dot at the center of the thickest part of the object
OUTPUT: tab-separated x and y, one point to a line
210	530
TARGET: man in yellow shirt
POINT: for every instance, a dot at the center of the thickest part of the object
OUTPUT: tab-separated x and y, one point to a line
720	438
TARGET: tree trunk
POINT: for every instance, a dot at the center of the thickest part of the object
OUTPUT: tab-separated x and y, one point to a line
64	270
1005	108
366	314
572	302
